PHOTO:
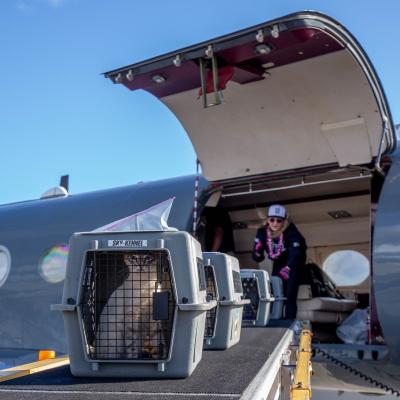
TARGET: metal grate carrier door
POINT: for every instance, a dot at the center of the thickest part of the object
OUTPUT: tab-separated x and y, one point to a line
127	305
211	316
251	292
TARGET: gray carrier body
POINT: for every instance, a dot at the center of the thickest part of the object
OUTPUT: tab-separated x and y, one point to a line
257	289
228	316
134	304
277	291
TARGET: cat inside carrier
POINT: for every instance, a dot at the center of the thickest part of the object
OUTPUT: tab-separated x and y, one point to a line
128	304
257	289
139	302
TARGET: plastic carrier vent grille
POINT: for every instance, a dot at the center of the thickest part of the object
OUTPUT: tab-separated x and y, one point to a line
127	305
237	281
250	291
212	295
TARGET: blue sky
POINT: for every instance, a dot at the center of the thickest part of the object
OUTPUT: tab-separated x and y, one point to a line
59	115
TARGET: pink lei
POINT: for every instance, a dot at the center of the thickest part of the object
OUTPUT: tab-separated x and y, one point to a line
271	254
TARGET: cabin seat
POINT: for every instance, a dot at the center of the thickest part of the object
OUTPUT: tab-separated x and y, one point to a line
322	309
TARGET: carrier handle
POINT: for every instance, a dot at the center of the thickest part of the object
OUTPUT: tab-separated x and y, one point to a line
268	299
240	302
198	307
63	307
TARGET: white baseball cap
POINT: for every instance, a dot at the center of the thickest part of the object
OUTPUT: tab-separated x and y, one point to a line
276	210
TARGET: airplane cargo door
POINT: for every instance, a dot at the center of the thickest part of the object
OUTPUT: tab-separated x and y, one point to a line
253	103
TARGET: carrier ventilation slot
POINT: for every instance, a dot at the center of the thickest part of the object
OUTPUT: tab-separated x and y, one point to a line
211	295
250	291
201	274
127	305
237	281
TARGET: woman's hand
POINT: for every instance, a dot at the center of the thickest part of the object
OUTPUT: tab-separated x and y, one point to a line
258	247
284	273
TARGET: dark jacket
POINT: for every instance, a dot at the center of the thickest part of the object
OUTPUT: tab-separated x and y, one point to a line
294	251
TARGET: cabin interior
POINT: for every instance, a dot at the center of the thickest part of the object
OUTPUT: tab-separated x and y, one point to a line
332	208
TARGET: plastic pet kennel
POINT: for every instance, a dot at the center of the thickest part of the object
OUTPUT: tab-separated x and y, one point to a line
226	323
256	288
134	304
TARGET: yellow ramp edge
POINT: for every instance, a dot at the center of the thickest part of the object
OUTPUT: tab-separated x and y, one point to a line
301	387
32	368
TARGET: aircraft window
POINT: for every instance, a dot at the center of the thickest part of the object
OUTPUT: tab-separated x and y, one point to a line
53	264
346	267
5	264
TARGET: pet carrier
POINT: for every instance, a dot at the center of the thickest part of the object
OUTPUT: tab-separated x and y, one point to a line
226	322
277	292
134	304
256	288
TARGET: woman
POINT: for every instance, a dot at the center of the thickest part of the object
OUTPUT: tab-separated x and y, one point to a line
286	247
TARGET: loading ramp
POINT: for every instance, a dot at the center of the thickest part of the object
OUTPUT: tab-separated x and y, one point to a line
248	370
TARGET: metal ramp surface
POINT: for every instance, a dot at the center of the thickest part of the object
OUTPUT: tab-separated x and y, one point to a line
229	374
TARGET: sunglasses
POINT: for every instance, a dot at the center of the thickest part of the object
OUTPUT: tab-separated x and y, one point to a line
277	220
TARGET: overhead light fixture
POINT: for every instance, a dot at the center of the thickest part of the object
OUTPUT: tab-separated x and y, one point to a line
209	51
262	48
129	75
158	78
118	78
275	31
339	214
260	36
177	60
268	65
